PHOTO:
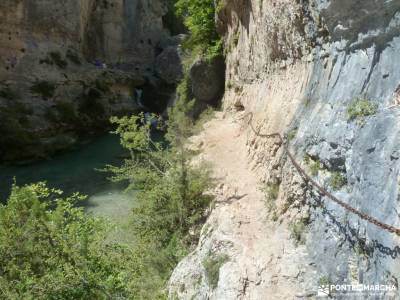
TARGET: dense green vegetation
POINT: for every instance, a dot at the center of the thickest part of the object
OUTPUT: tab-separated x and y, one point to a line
66	112
338	180
171	204
199	19
51	250
361	108
172	21
202	42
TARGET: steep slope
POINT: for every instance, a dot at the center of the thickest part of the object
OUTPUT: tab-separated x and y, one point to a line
325	73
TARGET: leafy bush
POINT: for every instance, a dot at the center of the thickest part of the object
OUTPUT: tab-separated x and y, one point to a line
51	249
172	20
16	139
313	164
50	114
21	108
170	201
361	108
44	88
212	265
199	18
338	180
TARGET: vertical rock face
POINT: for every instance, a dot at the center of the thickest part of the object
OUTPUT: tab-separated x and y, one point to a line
66	66
302	68
111	31
208	80
126	31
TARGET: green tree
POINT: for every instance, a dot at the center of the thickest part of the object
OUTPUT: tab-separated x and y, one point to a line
50	249
199	18
171	202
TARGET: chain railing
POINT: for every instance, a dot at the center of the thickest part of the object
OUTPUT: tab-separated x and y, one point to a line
316	185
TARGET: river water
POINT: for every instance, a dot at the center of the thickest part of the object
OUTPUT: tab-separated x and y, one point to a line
75	171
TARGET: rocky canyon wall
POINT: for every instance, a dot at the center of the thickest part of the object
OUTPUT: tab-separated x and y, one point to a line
66	66
302	68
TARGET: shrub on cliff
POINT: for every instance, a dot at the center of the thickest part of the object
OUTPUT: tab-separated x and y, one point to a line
361	108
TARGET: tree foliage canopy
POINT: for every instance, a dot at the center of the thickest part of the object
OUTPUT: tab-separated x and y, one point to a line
50	249
171	203
199	18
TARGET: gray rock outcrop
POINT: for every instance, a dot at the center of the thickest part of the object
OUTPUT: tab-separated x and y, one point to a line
169	66
302	68
207	80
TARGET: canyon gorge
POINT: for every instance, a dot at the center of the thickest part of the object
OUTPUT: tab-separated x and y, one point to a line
324	74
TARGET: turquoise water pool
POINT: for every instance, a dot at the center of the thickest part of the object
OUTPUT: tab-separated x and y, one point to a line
75	171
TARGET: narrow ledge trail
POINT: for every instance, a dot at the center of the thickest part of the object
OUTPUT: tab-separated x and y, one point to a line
268	263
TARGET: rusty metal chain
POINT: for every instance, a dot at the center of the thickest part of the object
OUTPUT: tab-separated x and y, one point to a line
393	253
322	190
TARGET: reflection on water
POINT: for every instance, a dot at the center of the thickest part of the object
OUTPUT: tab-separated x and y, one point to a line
71	172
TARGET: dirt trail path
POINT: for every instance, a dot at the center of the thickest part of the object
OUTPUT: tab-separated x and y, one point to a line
265	263
239	188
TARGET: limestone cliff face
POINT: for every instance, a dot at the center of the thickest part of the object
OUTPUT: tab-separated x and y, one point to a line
66	66
299	67
110	31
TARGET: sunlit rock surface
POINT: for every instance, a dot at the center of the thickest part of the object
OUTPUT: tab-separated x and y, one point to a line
298	66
